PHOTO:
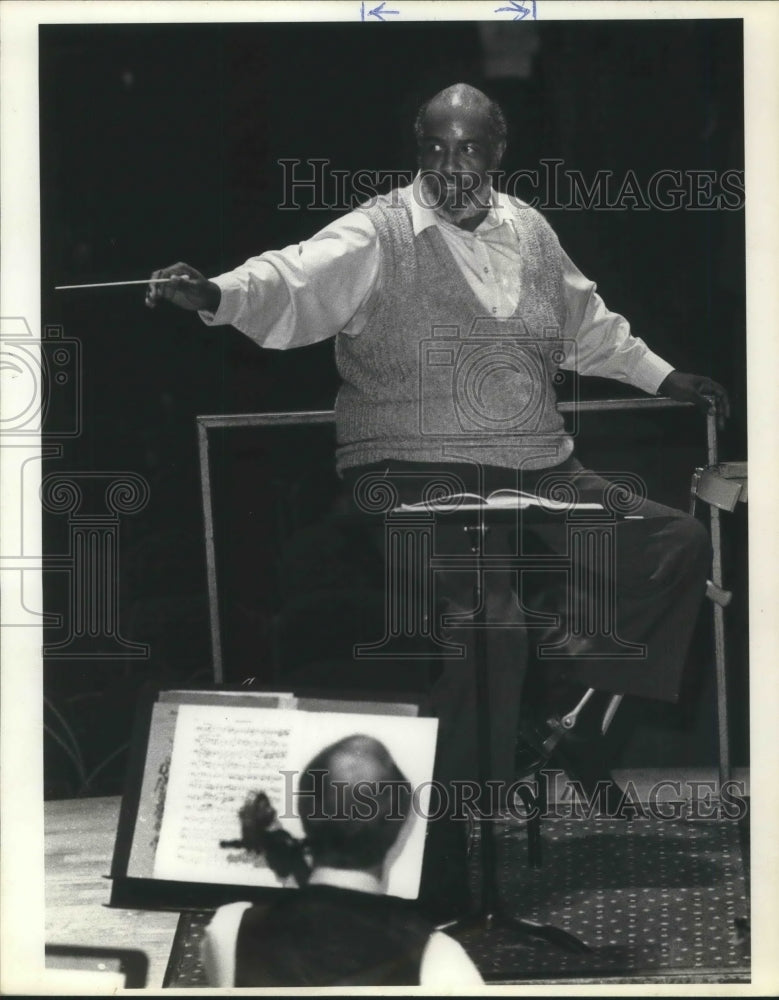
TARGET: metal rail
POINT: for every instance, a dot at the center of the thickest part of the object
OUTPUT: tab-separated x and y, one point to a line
305	418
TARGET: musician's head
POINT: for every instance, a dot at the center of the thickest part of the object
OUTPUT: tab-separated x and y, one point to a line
353	803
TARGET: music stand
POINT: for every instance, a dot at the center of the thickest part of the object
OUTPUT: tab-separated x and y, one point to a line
491	913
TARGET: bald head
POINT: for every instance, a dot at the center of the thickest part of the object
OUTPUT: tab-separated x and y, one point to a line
463	98
354	759
353	803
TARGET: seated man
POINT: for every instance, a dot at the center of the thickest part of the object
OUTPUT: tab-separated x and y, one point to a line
338	929
454	308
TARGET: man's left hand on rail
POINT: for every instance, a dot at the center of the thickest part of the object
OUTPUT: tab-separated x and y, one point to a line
697	389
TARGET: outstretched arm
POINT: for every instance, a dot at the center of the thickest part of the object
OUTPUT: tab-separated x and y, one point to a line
300	295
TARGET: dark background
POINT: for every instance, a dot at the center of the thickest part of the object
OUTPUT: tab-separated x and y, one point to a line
161	143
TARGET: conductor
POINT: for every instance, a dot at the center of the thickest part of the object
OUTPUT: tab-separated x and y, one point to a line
450	259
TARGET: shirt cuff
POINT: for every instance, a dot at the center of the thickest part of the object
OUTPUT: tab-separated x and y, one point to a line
650	372
232	293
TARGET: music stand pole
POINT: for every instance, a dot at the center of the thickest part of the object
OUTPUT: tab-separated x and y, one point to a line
491	915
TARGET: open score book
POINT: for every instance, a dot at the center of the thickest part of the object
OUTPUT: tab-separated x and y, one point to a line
505	499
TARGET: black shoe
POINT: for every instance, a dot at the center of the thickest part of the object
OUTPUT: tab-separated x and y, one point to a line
584	763
535	744
548	746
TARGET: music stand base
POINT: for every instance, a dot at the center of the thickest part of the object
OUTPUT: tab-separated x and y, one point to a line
495	918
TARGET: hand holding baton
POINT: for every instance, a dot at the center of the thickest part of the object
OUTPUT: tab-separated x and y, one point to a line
179	284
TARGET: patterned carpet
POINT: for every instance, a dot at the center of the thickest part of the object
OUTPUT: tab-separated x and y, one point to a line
657	901
650	897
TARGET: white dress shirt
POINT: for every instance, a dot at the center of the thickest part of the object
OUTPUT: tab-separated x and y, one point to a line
313	290
445	964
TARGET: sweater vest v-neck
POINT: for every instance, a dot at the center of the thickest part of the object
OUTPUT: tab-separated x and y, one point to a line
432	377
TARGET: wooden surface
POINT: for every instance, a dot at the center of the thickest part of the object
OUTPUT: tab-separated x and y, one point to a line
79	846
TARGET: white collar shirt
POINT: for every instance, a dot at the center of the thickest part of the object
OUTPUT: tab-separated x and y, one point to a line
314	290
488	257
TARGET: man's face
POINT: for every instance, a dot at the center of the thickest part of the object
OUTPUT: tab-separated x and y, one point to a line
456	151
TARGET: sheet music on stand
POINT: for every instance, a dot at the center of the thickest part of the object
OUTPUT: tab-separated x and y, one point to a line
196	757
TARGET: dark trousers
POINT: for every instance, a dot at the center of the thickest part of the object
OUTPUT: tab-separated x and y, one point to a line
622	590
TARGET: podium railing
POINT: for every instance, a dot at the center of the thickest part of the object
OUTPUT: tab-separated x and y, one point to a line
304	418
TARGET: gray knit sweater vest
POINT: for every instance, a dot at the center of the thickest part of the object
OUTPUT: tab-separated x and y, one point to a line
431	378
